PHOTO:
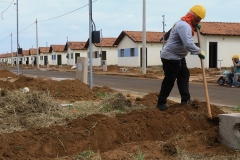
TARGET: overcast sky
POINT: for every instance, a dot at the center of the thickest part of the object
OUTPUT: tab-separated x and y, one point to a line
112	16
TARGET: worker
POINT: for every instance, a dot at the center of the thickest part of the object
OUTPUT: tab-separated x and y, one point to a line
235	74
173	55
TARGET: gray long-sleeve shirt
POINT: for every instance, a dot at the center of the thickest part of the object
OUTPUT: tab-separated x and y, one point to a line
180	42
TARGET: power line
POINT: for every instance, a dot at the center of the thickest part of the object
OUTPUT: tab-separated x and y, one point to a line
65	13
6	9
5	2
5	38
47	19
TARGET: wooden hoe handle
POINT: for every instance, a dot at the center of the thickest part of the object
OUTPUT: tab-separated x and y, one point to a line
204	79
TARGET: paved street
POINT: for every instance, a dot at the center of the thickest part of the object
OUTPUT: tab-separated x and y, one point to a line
221	95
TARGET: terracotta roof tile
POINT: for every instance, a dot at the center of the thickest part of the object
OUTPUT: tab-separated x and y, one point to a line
25	52
76	45
44	49
106	42
57	48
32	51
136	36
2	55
220	28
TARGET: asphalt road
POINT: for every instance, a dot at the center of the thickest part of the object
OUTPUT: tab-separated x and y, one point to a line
220	95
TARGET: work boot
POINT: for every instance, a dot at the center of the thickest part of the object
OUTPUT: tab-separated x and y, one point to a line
162	107
188	102
194	104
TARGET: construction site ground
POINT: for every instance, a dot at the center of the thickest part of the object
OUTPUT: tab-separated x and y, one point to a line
67	120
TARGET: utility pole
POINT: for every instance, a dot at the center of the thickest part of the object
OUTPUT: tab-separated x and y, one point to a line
101	48
11	51
67	52
37	45
17	42
144	39
163	30
90	43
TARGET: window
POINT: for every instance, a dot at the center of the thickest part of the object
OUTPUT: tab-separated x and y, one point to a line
132	52
71	55
122	53
96	54
41	57
52	57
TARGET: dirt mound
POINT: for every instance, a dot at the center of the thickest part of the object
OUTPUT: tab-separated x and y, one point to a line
71	90
6	73
103	133
151	100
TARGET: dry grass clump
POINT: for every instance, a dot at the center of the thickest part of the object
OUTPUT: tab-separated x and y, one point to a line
117	104
20	111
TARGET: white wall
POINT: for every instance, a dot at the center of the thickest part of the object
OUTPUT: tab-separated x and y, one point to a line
126	42
227	46
111	55
153	53
71	61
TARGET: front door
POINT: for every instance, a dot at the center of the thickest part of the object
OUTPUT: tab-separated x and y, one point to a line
59	59
212	54
76	55
45	60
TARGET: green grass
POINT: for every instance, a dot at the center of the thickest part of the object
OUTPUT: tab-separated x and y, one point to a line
140	156
102	95
86	154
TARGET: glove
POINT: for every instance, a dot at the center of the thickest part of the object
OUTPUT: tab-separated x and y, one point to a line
199	26
201	55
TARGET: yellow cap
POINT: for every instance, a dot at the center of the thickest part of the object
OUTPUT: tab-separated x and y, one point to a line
199	10
235	56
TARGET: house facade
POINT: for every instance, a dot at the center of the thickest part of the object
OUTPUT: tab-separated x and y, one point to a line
45	55
130	48
59	54
219	41
104	51
74	50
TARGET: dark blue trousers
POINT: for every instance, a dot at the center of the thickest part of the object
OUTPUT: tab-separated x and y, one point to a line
174	69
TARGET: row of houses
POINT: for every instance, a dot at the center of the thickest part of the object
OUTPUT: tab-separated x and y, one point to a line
219	41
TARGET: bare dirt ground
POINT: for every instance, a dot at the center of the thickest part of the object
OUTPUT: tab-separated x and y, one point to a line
68	120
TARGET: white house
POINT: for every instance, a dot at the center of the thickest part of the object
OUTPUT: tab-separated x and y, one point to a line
219	41
74	50
130	48
105	50
33	56
45	55
59	54
25	57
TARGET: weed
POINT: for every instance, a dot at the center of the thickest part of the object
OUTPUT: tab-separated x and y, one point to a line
140	156
106	108
179	136
86	154
101	94
120	110
181	152
79	108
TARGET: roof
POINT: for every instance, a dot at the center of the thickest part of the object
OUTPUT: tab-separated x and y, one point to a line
136	36
44	49
26	52
220	28
106	42
32	51
217	28
57	48
75	45
2	55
